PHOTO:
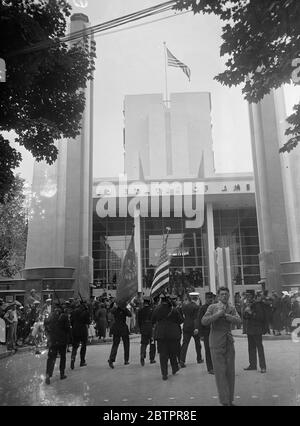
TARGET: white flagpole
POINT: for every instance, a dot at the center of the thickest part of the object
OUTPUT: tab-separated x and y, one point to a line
166	75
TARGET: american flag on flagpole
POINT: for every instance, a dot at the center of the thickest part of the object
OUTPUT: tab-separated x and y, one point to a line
161	275
174	62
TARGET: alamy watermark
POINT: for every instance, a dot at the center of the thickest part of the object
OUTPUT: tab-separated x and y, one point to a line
152	199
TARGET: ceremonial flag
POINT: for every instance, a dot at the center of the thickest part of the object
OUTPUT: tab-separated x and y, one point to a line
161	275
128	283
174	62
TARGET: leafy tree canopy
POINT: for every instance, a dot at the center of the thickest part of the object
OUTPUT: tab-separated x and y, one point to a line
261	40
13	229
42	100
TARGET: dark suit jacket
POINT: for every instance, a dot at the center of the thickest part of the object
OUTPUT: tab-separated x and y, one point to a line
80	319
256	321
167	320
57	328
190	311
204	330
144	318
119	327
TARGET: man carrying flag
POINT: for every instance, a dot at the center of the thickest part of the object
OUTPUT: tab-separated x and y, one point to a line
161	275
127	288
166	317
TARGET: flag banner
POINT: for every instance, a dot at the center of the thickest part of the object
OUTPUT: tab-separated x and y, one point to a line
161	275
174	62
128	283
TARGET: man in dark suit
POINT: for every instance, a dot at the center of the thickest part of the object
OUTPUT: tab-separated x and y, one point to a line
255	323
167	319
119	331
144	316
204	330
57	327
80	320
190	312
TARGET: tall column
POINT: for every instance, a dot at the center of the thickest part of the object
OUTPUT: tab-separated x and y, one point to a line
269	190
137	244
290	162
211	247
78	228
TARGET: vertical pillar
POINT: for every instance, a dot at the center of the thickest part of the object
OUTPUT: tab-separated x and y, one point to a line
78	251
211	247
291	178
268	191
137	244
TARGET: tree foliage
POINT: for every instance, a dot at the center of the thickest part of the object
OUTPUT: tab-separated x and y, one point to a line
42	100
261	39
13	229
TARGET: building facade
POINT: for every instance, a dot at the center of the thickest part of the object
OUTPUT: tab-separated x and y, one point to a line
170	181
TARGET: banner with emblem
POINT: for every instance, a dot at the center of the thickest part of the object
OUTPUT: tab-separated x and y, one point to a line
128	283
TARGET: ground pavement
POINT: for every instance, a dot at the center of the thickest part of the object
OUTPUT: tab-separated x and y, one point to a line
23	375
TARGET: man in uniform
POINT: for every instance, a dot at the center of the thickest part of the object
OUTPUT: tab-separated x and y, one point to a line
255	327
190	312
119	331
221	316
203	331
80	320
57	326
167	319
144	316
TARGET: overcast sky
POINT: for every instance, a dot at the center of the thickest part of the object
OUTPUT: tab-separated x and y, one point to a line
132	62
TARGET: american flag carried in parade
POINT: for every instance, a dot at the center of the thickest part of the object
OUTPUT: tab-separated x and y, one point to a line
174	62
161	275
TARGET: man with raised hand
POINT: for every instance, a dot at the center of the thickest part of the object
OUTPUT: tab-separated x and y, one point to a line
222	316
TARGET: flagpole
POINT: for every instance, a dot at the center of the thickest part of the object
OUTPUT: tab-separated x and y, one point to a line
166	75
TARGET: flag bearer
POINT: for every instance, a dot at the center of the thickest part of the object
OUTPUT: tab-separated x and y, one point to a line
145	325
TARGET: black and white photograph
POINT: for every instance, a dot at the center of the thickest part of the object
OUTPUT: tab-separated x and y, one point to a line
149	206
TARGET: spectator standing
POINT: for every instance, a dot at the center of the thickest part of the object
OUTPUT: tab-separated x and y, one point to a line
254	316
11	318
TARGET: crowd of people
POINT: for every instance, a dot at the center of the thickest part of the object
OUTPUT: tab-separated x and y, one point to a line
166	324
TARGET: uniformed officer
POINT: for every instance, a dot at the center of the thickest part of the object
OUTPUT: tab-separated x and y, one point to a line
57	326
203	331
190	311
166	319
119	331
144	316
80	320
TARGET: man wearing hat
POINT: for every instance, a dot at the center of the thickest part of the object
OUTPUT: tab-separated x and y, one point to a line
204	330
144	316
255	326
11	319
80	321
190	312
33	297
57	327
167	319
46	310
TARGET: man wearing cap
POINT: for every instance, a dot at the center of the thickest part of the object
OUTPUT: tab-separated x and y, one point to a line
255	325
190	312
11	319
46	310
144	316
221	317
57	327
33	297
167	319
119	330
80	320
203	331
